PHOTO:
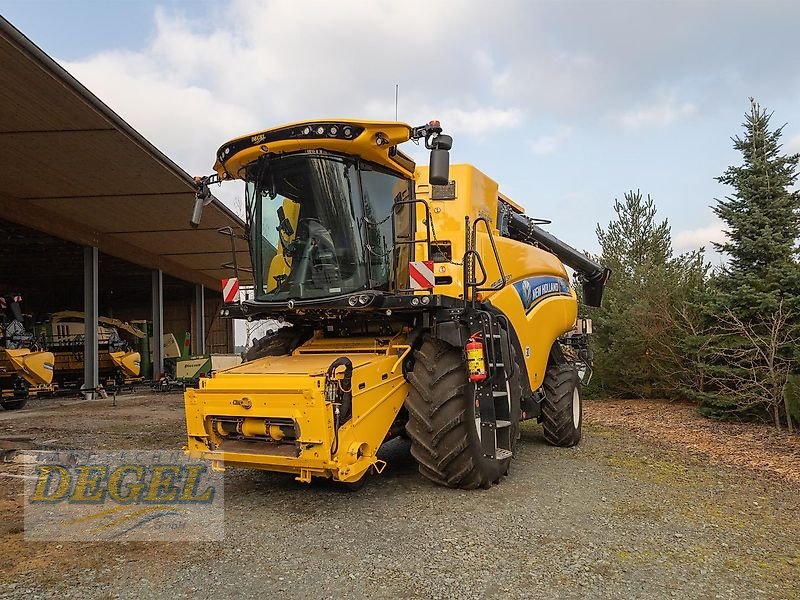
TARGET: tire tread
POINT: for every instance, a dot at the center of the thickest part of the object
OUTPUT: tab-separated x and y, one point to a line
559	429
439	421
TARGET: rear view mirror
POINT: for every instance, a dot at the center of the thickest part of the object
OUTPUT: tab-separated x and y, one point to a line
202	197
197	212
439	170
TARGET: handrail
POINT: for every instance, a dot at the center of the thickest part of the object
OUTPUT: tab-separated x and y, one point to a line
471	283
502	283
413	241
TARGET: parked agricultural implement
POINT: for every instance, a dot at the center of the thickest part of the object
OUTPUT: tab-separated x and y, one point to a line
119	365
25	369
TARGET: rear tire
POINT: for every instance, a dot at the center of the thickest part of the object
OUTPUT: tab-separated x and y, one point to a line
562	407
441	424
13	404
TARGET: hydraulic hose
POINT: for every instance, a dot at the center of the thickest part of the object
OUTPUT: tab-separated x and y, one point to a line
346	385
341	413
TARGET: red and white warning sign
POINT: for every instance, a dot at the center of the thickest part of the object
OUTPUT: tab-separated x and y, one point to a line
230	290
420	272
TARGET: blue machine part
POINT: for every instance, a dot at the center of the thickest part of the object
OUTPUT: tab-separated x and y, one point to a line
535	289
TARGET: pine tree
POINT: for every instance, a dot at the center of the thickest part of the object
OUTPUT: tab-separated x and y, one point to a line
638	332
755	301
763	223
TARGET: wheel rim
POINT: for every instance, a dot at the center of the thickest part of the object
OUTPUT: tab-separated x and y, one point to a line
576	407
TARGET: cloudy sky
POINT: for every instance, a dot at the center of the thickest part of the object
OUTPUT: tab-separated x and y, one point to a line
567	104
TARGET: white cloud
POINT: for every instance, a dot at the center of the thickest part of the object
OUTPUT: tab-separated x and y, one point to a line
548	144
793	145
690	239
661	113
259	64
207	75
481	120
187	121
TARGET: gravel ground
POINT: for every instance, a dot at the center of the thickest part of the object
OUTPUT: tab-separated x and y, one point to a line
617	517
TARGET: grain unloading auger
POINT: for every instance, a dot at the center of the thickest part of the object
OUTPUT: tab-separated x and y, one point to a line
421	302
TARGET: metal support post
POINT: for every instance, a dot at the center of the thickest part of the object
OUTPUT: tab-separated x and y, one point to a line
158	325
199	334
91	358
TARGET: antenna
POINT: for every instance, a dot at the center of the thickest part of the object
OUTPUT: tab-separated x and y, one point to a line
396	94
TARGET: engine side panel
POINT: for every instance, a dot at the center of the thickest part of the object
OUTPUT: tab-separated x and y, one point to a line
537	296
539	327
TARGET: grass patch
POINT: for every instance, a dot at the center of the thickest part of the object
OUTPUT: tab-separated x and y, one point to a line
638	510
777	571
601	432
654	470
717	514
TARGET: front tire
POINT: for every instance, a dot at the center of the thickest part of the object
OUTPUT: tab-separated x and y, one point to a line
442	425
562	407
13	404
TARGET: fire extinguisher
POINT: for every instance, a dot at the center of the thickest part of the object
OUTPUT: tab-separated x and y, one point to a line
476	364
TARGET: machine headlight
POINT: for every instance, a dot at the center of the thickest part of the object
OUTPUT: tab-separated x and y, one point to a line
415	301
352	300
425	300
340	131
364	299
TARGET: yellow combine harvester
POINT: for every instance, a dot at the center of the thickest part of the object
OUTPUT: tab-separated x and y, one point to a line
422	302
25	370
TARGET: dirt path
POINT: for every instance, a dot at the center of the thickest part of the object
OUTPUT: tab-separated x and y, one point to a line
626	514
761	449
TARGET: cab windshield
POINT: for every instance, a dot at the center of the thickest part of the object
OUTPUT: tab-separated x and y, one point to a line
320	225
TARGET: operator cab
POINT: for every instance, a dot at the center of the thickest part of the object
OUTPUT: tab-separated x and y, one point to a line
330	208
321	225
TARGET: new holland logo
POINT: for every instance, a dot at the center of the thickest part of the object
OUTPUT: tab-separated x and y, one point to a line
533	290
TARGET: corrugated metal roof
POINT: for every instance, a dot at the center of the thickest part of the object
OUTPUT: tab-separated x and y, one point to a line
76	170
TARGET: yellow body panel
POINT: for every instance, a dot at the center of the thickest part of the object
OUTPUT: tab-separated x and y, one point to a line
291	389
35	367
128	362
477	196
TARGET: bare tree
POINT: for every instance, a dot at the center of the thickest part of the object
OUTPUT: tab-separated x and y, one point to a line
756	353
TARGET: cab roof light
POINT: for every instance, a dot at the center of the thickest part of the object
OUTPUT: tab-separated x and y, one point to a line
308	131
